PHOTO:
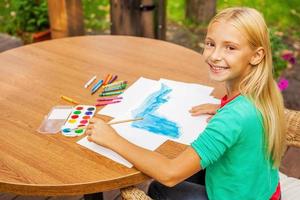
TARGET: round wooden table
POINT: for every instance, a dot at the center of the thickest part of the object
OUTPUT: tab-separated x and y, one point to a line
32	79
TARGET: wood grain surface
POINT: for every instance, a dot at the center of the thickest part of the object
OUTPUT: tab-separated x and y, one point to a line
32	79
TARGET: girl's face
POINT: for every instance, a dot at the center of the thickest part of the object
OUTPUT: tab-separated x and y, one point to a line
227	53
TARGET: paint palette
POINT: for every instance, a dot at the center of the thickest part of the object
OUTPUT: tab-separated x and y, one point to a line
78	120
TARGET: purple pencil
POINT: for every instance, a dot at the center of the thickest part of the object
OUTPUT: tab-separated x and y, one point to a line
113	79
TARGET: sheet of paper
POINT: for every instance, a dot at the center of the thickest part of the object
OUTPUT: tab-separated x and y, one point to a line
104	151
182	98
60	113
139	137
170	116
203	89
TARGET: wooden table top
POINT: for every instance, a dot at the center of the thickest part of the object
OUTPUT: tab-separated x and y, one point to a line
32	79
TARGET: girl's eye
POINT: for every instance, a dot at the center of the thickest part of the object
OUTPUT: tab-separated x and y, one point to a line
209	44
230	48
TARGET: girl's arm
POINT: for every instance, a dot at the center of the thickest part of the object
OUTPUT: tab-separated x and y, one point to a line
167	171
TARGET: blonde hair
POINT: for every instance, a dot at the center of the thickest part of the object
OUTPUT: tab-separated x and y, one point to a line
259	85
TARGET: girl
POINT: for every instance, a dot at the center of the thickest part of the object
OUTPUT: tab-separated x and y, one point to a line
242	145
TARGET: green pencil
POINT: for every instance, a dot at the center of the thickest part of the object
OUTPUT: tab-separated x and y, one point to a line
116	87
103	94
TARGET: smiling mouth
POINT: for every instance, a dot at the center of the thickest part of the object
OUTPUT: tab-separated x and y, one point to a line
217	68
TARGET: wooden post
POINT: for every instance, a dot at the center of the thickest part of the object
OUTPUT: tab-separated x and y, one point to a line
200	11
66	18
138	18
161	15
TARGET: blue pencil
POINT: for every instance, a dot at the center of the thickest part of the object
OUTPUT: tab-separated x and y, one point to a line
96	86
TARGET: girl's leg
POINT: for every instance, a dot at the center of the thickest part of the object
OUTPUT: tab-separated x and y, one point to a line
184	190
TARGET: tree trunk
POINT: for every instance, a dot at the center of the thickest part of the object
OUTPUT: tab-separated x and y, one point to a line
138	18
66	18
200	11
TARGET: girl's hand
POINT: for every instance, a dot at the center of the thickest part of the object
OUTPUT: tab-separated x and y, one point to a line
101	133
207	108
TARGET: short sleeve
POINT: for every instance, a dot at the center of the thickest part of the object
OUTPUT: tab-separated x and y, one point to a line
221	133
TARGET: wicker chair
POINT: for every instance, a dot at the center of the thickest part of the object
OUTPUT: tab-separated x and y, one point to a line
293	139
293	127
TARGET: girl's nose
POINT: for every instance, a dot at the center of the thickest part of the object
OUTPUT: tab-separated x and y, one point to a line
216	55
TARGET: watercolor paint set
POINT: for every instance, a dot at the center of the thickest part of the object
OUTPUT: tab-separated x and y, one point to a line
55	119
78	120
71	121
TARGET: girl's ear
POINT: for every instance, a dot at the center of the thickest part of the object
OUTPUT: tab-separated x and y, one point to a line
259	54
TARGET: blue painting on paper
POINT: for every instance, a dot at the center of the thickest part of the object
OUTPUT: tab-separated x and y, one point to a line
153	121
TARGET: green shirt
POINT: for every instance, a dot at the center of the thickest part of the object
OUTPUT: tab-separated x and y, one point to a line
232	150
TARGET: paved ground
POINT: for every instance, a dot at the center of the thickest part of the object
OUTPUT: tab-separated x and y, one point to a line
8	42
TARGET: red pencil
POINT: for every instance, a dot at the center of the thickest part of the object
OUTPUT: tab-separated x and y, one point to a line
106	103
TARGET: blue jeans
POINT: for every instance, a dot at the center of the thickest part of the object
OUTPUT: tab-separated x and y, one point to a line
184	190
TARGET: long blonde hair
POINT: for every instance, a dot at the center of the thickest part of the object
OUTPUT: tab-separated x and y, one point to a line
259	85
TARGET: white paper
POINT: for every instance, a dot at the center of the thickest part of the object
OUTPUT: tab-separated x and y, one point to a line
139	138
182	98
62	113
189	87
104	151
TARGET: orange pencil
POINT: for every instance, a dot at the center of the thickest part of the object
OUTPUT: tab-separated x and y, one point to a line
107	79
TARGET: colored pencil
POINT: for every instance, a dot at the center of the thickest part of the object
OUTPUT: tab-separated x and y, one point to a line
90	81
124	121
110	93
114	88
96	86
68	99
108	98
106	103
107	79
115	83
113	79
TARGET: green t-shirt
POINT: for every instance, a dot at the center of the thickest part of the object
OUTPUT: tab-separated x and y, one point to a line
232	150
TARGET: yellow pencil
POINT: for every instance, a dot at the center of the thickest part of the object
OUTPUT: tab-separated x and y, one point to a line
124	121
68	99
